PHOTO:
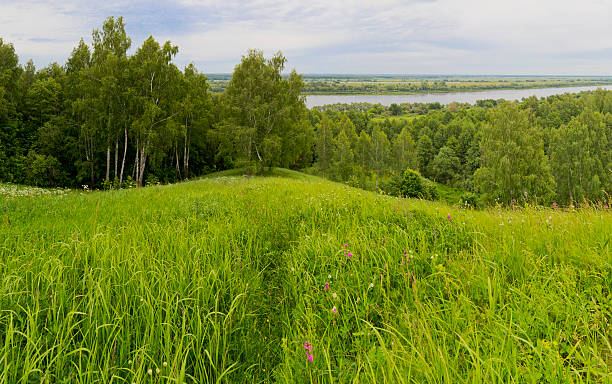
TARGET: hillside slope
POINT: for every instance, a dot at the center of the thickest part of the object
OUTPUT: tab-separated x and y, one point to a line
237	279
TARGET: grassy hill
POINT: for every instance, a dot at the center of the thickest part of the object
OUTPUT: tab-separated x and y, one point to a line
231	278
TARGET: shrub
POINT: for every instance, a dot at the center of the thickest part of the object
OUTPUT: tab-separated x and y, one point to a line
469	200
411	184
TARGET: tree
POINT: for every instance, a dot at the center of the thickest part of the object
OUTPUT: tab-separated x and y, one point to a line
404	152
395	109
445	166
425	152
576	158
110	70
154	77
325	146
195	114
79	90
265	111
363	155
343	157
513	166
380	151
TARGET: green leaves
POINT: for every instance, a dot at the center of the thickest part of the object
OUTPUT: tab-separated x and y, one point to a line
264	111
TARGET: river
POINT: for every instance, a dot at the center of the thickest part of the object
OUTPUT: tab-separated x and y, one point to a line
446	98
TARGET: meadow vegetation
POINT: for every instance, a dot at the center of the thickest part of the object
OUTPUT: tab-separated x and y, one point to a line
291	278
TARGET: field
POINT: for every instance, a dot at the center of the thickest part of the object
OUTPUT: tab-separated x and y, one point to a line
246	279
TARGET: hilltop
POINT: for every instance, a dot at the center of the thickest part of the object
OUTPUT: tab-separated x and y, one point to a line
243	279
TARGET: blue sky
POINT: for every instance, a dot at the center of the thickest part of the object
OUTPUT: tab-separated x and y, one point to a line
523	37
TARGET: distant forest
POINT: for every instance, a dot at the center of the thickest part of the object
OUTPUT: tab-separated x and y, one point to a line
106	119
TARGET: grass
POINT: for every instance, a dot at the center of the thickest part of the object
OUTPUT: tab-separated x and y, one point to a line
223	279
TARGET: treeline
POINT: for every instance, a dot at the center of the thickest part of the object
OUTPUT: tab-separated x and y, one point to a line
557	149
314	86
349	88
104	118
107	119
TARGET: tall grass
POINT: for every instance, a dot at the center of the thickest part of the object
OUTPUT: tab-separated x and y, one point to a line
224	280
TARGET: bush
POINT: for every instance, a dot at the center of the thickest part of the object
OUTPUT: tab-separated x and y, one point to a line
411	184
469	200
42	170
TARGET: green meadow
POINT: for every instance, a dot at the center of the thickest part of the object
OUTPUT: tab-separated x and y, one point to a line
293	279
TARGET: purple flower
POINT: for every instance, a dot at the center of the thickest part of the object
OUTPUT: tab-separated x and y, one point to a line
308	346
309	358
350	255
326	286
334	309
448	217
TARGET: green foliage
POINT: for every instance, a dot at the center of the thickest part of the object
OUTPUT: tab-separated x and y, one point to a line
43	171
469	200
514	168
410	184
266	112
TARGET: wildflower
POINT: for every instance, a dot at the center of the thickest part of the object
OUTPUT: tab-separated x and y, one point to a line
326	286
150	372
334	309
334	295
165	364
309	358
384	240
448	217
308	346
130	362
371	285
345	245
157	370
350	255
554	205
329	276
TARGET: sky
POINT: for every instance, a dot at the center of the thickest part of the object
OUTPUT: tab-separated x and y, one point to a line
472	37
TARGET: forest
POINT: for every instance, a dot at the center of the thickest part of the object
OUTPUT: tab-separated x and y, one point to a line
108	119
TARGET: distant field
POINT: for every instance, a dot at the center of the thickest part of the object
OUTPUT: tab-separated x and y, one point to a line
240	279
399	84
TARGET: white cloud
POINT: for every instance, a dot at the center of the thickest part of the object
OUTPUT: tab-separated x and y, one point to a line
434	36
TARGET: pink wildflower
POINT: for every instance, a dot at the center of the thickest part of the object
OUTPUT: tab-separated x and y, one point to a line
350	255
448	217
308	346
326	286
310	357
334	309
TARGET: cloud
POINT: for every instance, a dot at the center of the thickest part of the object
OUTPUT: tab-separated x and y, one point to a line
363	36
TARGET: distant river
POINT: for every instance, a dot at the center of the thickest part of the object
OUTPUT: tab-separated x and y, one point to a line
445	98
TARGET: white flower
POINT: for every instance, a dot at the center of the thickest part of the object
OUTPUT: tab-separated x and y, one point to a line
334	295
157	370
150	372
371	285
165	364
329	276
